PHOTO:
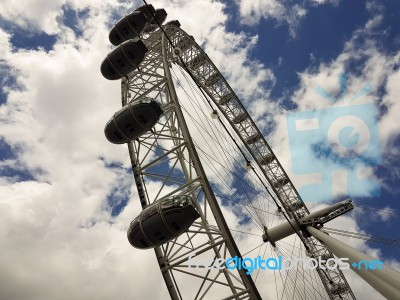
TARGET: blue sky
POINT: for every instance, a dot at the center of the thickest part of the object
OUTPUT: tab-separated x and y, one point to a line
319	39
277	55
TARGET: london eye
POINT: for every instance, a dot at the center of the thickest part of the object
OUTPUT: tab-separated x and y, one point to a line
219	194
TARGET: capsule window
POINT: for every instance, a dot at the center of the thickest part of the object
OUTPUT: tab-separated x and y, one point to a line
116	133
176	226
118	37
127	124
149	211
121	63
108	70
154	229
130	55
132	23
144	243
142	119
147	114
111	70
159	235
129	127
135	230
125	30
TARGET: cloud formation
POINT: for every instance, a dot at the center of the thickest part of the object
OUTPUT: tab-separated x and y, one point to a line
320	94
61	240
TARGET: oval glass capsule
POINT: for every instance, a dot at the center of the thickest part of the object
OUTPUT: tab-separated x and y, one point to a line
123	59
162	221
132	121
129	27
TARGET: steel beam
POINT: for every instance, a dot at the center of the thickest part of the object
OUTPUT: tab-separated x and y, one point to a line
385	279
283	230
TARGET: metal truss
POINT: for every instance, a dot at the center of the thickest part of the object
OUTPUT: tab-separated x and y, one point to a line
188	54
165	163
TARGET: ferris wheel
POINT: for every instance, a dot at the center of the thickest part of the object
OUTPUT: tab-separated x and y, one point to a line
218	208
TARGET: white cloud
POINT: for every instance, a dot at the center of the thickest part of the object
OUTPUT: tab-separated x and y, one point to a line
388	129
5	46
378	71
231	52
61	242
251	13
44	16
319	2
385	213
283	13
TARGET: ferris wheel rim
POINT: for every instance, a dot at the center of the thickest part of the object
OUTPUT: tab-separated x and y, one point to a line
174	57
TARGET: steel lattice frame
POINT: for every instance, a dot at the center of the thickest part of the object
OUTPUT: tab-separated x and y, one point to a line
169	147
167	154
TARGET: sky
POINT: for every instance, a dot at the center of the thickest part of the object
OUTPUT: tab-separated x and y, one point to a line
319	78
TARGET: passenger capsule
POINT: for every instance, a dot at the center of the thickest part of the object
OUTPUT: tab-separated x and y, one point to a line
162	221
123	59
132	121
129	27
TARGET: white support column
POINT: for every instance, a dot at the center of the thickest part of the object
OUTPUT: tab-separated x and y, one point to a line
385	281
